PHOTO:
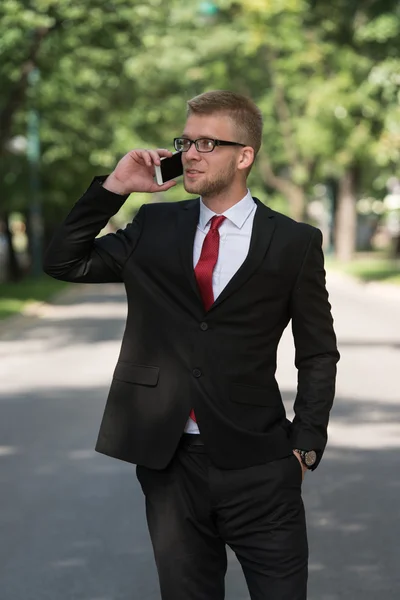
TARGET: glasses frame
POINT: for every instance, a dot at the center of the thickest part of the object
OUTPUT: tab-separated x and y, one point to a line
195	142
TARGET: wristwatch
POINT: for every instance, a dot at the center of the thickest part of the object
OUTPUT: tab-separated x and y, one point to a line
308	457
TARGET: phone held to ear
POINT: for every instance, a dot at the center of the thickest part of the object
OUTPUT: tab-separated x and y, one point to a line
169	168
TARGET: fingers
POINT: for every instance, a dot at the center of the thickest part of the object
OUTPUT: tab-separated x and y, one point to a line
303	467
164	152
152	157
138	166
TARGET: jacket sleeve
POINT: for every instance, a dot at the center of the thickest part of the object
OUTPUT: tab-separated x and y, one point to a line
316	351
75	254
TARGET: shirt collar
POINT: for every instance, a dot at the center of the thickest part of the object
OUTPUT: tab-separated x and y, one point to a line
237	214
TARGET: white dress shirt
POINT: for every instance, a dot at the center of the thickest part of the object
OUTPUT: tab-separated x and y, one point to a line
235	235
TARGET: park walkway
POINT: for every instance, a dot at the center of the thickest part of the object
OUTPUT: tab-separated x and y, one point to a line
72	521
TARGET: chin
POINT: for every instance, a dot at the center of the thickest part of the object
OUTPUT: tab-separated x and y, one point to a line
191	187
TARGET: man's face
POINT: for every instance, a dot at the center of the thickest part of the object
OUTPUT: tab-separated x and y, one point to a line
210	173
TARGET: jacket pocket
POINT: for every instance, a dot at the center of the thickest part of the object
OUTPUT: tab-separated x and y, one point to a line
257	396
139	374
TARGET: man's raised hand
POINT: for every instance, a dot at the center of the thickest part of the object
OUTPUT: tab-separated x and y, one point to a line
135	173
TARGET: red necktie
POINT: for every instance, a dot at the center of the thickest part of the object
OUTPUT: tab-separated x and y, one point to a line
205	267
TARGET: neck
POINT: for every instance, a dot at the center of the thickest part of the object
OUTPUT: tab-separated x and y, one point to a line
219	203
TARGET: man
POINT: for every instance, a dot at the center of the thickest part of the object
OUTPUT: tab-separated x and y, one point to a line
211	285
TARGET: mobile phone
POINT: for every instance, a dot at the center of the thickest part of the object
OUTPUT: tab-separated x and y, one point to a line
170	168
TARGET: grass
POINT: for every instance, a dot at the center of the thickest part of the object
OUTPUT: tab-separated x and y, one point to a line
14	297
369	267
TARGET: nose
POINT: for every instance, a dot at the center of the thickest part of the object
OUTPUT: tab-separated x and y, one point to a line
192	154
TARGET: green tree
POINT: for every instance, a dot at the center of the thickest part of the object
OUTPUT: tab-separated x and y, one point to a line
326	77
85	94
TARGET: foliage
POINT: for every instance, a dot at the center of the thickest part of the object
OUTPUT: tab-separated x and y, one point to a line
116	75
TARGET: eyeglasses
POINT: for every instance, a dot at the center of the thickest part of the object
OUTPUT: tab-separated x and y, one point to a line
202	144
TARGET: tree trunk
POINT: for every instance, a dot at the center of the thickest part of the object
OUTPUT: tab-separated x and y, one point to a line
346	216
294	193
396	247
13	270
297	203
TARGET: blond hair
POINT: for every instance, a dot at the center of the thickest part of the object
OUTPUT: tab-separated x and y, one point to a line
245	115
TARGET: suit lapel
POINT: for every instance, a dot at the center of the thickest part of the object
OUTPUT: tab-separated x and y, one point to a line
188	218
263	229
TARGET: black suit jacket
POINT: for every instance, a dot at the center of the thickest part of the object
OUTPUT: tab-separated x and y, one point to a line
222	362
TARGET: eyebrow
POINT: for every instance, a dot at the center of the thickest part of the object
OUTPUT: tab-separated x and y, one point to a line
208	137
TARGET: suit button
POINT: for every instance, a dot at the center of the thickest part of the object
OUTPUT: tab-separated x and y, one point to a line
203	326
196	373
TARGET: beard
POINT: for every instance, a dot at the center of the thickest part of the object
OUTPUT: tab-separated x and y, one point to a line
213	186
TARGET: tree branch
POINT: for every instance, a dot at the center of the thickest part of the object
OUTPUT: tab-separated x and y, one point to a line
271	179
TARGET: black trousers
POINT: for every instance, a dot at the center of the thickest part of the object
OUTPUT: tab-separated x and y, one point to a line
195	509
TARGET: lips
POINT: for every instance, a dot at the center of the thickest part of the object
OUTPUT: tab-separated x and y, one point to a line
192	173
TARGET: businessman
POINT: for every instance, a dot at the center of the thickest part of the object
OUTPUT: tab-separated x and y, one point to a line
211	285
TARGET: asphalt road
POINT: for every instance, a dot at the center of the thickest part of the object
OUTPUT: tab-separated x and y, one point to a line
72	521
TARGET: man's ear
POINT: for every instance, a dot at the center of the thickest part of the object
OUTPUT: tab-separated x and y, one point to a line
246	158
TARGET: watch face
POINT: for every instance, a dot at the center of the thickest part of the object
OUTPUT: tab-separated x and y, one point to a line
310	458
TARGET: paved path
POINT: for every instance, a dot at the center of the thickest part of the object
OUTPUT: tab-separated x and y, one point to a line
72	522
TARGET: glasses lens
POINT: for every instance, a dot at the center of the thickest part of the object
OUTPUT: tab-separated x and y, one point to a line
205	145
182	144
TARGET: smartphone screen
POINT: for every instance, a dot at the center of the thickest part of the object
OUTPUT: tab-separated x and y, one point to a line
170	168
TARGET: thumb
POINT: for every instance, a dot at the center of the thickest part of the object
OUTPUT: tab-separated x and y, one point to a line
164	187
